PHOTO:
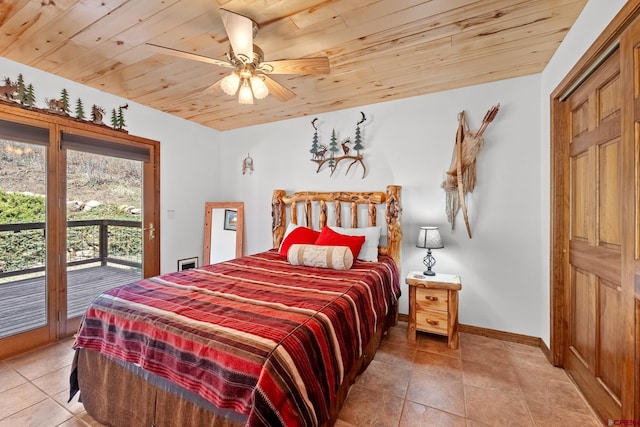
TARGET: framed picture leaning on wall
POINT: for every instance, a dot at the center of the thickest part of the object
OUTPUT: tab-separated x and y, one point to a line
230	219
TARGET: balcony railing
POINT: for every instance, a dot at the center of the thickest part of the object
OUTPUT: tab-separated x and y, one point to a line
93	252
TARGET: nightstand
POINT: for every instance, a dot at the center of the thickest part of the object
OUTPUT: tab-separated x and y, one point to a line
433	305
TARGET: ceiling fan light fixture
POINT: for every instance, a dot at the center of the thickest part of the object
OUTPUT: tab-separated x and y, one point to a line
246	59
245	96
230	83
259	88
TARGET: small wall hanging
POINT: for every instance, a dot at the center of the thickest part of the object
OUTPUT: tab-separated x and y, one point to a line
461	176
247	164
319	151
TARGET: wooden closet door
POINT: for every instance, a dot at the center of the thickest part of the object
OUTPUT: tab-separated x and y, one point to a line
594	353
630	74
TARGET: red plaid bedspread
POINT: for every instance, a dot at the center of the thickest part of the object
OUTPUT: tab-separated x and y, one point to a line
254	335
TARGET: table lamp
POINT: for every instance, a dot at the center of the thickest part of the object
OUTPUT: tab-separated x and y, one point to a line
429	238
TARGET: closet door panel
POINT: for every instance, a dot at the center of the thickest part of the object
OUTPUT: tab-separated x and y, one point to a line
593	353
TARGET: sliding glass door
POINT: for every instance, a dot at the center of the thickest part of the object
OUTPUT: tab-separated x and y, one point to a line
108	241
26	303
78	215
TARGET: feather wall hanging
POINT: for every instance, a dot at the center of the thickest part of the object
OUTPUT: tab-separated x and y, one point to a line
460	179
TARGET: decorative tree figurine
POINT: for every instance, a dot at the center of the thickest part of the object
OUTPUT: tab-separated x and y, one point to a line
29	96
120	118
333	147
114	119
314	144
21	89
358	138
80	110
64	98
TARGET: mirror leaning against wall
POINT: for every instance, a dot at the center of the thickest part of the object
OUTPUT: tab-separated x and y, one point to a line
223	231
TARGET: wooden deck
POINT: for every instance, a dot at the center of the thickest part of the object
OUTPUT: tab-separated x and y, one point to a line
23	302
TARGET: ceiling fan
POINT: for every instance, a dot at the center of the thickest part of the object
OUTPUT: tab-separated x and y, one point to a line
250	76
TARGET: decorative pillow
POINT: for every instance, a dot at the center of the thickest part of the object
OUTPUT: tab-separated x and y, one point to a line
298	235
369	251
335	257
290	227
328	237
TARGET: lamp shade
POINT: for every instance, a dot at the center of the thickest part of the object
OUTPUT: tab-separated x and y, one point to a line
230	83
259	88
429	238
245	96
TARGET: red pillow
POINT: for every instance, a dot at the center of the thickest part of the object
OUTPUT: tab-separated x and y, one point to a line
299	235
328	237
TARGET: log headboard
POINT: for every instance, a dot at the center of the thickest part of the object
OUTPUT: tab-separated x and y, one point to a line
390	199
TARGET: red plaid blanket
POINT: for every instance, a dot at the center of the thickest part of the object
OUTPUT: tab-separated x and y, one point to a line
254	335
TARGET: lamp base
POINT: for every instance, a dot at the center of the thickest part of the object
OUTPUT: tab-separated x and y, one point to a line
429	261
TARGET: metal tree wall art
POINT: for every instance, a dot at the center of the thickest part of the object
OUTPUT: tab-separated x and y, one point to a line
320	152
117	117
80	110
461	176
20	92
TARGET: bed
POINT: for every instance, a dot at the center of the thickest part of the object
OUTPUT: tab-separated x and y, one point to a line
254	341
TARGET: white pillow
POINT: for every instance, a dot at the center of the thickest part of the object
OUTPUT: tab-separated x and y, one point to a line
289	229
369	251
335	257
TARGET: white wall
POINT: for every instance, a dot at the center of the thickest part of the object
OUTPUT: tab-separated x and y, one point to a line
592	21
188	159
409	143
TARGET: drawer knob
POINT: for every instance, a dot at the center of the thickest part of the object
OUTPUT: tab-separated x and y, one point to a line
433	322
430	298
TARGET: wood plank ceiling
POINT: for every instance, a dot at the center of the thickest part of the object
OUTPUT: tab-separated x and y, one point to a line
378	50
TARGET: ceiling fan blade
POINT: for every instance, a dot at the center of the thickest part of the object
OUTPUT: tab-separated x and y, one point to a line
240	31
187	55
297	66
277	90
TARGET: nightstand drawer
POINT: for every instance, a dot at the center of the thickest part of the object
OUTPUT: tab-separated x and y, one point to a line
431	321
431	299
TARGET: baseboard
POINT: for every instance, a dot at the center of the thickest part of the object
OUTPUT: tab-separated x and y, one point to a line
501	335
546	351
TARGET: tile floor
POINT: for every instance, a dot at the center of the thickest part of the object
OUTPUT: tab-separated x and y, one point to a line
486	382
